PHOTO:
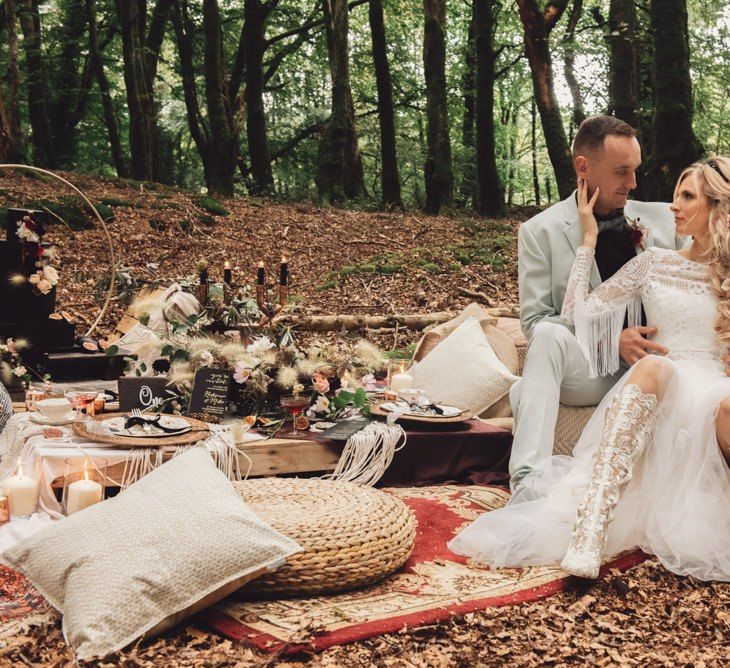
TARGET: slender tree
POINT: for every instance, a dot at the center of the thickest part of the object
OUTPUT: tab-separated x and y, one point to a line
537	24
43	151
623	90
569	48
490	194
110	117
15	143
254	38
439	175
675	143
339	168
533	152
389	179
467	187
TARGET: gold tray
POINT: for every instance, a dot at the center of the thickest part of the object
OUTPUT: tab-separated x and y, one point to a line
199	432
375	409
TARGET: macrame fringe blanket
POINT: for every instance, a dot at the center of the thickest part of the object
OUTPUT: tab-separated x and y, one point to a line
368	453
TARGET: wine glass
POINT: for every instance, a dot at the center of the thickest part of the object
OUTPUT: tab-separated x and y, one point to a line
295	405
79	400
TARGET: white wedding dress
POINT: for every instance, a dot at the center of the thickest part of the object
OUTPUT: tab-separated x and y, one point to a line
677	503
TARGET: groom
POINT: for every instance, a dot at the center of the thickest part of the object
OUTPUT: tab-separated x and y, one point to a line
607	154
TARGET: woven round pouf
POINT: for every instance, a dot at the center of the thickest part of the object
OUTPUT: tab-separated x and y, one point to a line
351	535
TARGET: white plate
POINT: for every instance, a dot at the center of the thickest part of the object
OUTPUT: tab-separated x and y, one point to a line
116	427
449	411
42	419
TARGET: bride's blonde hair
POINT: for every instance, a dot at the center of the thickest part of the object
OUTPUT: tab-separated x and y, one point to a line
713	178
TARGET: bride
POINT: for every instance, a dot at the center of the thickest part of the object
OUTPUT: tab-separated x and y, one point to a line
652	466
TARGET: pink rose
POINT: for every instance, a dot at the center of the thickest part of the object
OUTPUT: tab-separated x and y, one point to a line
320	383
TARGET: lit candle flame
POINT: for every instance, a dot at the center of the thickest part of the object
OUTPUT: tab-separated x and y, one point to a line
226	265
261	264
283	260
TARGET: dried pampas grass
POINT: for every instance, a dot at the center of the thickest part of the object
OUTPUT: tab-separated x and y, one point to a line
369	355
287	377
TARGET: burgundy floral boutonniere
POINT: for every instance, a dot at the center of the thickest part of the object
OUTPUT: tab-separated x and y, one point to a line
639	233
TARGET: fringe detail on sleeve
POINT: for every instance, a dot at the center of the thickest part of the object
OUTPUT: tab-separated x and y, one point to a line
599	335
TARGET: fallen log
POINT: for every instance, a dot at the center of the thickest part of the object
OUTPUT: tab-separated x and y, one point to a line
352	322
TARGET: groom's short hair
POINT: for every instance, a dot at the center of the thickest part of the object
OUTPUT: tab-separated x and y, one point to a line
594	130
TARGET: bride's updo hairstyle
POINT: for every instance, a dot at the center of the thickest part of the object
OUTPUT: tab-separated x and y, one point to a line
713	179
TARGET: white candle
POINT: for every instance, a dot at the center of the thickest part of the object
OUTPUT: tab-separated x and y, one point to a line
82	494
22	493
400	381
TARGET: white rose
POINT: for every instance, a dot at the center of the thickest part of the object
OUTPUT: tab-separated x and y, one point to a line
44	286
260	345
322	405
51	274
34	278
20	370
206	358
27	235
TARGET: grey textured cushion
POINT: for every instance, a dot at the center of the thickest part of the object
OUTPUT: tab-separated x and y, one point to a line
174	542
6	407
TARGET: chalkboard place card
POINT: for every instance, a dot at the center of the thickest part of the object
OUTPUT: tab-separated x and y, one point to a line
346	428
210	392
146	393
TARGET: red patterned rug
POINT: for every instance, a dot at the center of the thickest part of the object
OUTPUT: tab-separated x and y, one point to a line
432	586
21	605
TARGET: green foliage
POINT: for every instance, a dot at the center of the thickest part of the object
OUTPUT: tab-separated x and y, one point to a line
115	201
212	206
67	210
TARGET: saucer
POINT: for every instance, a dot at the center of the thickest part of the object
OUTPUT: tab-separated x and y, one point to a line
42	419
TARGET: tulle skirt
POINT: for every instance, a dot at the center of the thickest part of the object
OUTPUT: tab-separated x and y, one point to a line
676	506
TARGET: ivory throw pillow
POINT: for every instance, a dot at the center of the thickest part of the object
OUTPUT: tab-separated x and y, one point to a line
464	371
141	561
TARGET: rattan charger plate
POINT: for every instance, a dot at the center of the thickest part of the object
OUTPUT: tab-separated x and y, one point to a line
375	409
351	535
199	431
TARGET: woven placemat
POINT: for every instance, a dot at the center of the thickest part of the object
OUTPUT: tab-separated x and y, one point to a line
351	535
375	409
199	432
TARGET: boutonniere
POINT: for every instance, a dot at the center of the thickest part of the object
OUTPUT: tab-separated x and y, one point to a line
638	232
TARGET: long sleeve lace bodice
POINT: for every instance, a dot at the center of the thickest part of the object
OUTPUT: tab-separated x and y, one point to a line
676	294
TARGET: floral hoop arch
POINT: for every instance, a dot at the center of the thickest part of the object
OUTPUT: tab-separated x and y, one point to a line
104	227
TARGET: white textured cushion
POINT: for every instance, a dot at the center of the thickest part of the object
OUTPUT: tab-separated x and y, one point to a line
464	371
142	560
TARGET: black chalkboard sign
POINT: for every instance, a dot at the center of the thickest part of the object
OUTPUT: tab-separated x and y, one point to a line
144	393
210	392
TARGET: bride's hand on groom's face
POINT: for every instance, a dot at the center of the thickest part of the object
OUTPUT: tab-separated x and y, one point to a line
633	346
585	213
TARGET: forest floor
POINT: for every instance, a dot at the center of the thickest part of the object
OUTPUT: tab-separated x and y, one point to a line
346	261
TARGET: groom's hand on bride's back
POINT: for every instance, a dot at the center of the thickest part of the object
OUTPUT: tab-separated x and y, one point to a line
633	345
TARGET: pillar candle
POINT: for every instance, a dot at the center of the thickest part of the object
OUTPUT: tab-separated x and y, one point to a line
401	381
261	275
22	493
283	272
82	494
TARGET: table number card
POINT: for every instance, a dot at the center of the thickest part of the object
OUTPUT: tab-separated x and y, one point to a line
210	392
146	393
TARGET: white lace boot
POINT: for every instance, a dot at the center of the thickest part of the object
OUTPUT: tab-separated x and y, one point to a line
629	427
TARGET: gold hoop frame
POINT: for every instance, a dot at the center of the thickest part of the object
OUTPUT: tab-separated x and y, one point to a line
112	277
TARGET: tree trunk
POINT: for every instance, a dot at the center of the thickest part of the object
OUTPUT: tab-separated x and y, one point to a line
512	152
255	15
110	117
490	194
467	189
533	146
623	83
142	135
389	178
43	153
339	171
675	143
15	148
537	26
579	114
439	176
222	149
68	95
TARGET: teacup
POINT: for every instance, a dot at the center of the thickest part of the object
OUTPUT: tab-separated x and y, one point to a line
54	409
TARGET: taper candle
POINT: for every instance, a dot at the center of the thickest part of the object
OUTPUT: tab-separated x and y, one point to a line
261	275
227	274
283	272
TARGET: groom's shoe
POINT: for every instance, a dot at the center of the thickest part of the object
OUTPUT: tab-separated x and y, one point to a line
629	427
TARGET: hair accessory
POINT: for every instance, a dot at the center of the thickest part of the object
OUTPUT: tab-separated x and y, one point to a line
713	164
